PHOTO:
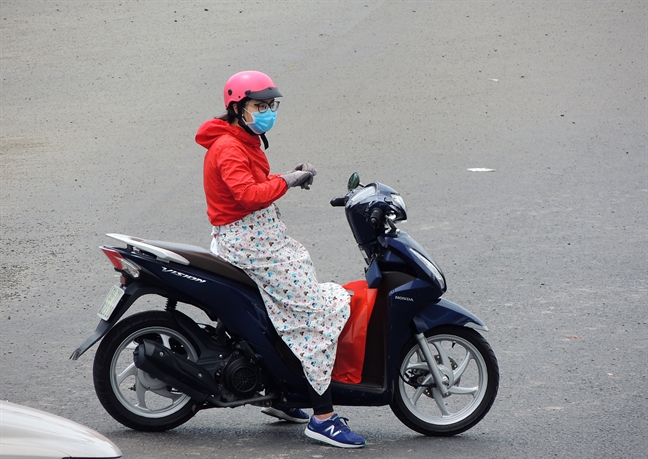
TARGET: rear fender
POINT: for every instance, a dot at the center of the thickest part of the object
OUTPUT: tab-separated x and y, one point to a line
445	312
132	293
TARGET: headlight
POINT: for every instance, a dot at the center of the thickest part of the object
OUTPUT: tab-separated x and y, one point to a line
398	203
431	266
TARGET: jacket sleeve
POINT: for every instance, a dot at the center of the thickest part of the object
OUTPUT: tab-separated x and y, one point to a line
234	168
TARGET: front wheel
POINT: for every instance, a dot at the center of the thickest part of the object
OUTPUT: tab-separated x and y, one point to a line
130	395
470	373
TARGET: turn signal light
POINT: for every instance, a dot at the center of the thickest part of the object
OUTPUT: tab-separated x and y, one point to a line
122	264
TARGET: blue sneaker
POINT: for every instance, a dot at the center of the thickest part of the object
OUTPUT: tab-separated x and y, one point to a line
334	431
287	414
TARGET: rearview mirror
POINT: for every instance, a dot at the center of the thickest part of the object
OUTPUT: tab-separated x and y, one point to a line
354	181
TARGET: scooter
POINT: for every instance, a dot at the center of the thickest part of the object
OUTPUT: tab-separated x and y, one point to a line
404	346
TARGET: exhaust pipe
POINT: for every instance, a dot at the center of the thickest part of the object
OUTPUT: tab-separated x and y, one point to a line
181	374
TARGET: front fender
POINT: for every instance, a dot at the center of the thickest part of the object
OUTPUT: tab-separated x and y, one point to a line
132	293
445	312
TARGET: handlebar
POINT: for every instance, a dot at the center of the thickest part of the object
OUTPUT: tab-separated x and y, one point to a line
338	202
376	217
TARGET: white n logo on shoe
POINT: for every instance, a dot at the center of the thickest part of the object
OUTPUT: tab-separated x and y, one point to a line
331	431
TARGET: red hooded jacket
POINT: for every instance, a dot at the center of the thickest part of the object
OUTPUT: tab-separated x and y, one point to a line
236	173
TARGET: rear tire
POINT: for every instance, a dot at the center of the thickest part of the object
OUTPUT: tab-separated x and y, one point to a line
467	361
130	395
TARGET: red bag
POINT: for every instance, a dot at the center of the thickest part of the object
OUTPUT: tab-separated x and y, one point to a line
353	339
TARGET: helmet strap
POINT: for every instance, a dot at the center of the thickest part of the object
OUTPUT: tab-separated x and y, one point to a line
265	141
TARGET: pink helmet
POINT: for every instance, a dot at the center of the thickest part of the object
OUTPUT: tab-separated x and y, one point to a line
252	84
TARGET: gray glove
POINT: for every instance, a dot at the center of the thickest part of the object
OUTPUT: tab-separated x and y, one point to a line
298	178
306	167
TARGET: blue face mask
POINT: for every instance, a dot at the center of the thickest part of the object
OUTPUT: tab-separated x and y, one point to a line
263	122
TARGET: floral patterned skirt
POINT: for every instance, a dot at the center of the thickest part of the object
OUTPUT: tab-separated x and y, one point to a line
307	315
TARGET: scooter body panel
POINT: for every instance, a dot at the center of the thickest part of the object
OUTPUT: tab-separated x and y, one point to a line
444	312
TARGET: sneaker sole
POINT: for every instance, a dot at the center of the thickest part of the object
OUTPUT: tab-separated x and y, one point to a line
324	439
275	413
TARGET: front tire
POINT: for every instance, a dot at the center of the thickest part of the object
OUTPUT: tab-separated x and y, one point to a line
130	395
471	374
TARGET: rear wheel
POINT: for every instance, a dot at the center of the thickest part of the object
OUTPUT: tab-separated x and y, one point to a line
130	395
470	373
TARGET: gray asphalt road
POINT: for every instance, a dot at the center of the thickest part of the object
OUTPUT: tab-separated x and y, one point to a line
100	103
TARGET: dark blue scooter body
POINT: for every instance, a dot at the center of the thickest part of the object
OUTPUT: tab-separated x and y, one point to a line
410	286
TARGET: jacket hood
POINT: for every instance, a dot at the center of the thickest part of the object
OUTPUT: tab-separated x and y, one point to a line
212	129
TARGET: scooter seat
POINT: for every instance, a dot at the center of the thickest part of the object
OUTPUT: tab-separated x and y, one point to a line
203	259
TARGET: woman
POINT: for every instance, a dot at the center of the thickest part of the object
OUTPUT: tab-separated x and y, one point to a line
248	232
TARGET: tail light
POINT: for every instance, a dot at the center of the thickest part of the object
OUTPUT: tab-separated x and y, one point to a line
122	264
